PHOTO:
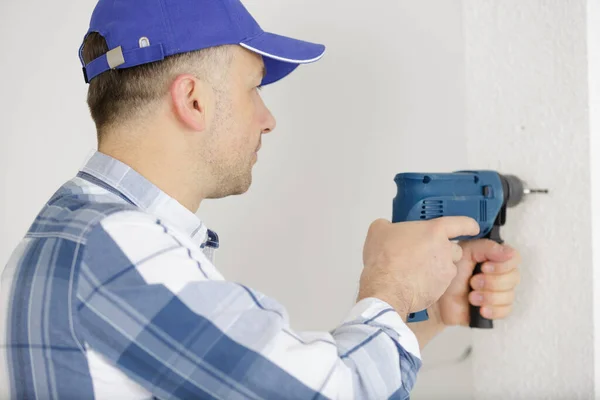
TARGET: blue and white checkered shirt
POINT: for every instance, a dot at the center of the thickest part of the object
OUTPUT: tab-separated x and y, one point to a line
113	294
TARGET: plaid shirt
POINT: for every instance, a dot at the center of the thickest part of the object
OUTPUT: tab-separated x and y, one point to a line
113	294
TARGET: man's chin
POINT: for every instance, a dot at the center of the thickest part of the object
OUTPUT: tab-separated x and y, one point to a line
245	187
241	188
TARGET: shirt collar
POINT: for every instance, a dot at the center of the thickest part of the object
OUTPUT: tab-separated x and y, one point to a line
139	191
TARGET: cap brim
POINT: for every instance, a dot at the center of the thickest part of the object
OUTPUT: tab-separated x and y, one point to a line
282	55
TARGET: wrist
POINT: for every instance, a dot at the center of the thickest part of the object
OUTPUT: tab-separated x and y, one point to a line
399	306
426	331
435	316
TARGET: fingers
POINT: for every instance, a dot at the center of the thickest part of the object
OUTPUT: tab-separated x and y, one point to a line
454	227
498	312
496	283
494	289
494	305
484	250
457	253
495	268
492	299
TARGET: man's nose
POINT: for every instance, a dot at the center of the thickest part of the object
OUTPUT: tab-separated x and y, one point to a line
269	123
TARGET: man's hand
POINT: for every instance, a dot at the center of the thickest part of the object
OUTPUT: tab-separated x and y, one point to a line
494	288
410	265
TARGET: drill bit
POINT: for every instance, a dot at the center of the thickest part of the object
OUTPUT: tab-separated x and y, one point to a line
532	191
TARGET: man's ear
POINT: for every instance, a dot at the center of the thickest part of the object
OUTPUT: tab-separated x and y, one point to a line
190	97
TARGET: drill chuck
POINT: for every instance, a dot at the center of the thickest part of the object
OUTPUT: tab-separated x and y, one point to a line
515	190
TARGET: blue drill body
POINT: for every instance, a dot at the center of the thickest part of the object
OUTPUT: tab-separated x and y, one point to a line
480	195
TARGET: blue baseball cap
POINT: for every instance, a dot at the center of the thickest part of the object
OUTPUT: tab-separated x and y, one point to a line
143	31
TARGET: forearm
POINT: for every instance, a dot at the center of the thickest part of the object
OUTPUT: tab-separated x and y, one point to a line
425	331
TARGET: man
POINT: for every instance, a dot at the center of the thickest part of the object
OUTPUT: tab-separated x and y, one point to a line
113	293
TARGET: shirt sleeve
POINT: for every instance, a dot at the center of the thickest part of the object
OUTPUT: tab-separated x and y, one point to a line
156	308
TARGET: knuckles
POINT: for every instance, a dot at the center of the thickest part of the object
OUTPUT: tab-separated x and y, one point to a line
378	225
437	227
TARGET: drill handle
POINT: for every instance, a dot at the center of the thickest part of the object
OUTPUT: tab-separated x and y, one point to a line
476	320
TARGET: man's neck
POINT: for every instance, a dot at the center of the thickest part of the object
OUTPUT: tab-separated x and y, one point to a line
166	172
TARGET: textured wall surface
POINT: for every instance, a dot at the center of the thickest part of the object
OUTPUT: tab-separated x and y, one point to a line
593	45
527	114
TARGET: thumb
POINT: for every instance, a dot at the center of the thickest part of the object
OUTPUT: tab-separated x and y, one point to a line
486	250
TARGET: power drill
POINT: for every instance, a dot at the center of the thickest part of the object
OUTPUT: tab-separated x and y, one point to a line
481	195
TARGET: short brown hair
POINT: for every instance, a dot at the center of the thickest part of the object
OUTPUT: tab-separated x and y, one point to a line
121	94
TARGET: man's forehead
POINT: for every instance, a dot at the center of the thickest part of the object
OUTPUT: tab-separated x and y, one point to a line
251	62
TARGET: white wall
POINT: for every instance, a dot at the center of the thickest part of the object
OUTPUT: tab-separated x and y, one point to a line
593	48
388	97
528	113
